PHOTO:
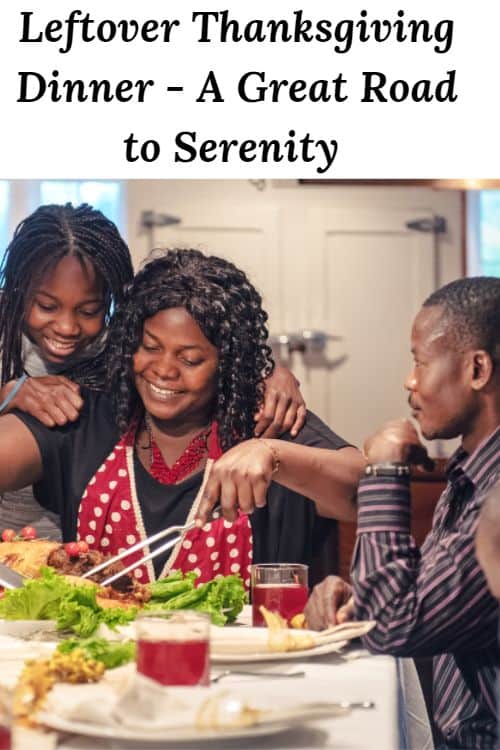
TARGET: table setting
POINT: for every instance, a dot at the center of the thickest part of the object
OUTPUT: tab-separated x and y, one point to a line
168	677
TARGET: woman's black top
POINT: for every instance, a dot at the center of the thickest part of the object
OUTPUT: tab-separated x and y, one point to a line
287	529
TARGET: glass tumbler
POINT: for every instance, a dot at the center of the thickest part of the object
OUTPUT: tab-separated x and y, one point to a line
279	587
173	648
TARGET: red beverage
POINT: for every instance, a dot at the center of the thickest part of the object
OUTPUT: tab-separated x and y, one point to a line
287	599
5	738
174	662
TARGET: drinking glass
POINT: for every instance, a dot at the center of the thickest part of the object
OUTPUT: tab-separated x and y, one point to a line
5	719
173	648
279	587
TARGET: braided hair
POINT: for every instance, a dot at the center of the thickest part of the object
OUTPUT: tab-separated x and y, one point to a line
471	307
226	307
39	242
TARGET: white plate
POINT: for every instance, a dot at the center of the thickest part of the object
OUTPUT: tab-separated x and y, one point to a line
27	628
190	734
270	726
237	645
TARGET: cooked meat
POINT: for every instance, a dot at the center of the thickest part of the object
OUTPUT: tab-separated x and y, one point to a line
78	566
136	597
27	557
58	558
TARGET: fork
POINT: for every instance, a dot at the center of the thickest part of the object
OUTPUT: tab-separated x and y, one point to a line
179	531
228	672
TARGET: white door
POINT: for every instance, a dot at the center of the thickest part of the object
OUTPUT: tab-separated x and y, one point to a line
359	276
366	279
247	236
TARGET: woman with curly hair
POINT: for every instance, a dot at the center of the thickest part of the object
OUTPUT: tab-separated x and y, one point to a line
63	273
187	357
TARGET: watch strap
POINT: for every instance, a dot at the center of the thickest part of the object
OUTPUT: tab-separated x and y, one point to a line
388	469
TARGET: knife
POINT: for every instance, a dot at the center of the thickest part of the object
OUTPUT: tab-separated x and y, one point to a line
9	579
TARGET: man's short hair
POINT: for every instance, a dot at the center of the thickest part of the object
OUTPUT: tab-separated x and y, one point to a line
472	310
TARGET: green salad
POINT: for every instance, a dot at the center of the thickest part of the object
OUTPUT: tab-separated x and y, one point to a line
222	598
75	609
111	653
52	597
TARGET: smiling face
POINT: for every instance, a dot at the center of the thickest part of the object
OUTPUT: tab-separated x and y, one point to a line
175	369
441	394
66	309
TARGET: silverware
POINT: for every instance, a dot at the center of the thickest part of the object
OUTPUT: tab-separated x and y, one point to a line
355	704
228	672
9	578
178	530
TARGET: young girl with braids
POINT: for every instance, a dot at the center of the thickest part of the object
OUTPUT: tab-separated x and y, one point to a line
186	360
63	273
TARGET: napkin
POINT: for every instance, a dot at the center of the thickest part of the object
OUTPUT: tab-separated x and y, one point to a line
346	631
13	655
245	641
130	700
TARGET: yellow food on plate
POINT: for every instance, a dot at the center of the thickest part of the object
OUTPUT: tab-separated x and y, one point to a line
281	638
298	621
38	677
225	711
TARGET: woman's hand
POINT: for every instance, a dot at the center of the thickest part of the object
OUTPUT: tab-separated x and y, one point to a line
283	409
53	399
238	480
330	604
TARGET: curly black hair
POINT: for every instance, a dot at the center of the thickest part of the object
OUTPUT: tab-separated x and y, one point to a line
472	308
228	310
39	242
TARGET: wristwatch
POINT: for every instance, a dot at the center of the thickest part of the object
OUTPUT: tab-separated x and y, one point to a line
388	469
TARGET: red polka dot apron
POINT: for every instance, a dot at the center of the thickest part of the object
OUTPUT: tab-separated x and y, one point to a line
110	520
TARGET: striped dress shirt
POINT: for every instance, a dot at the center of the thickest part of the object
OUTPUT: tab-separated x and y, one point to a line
434	601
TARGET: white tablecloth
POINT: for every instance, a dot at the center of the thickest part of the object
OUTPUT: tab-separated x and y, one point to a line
398	720
327	678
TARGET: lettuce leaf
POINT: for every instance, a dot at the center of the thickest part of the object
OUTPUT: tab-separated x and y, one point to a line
111	653
38	599
222	598
175	584
52	597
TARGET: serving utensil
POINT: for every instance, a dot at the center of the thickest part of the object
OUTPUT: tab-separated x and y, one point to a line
179	532
9	578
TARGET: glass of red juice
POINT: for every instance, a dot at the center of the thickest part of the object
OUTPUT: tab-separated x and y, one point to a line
173	648
280	588
5	719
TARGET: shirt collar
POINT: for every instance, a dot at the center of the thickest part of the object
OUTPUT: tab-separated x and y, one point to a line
479	464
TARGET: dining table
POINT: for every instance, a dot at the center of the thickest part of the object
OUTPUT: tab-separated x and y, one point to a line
397	720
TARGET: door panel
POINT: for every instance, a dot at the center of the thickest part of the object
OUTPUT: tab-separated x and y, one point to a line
359	276
369	278
248	238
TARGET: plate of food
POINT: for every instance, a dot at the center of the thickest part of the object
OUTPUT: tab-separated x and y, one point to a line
57	597
126	709
54	591
238	645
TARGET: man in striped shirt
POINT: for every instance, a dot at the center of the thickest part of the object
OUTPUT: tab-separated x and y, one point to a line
434	601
